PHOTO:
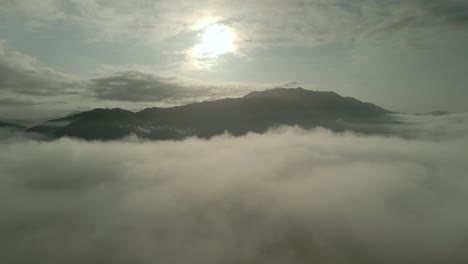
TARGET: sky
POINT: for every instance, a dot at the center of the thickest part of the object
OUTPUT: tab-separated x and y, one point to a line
62	56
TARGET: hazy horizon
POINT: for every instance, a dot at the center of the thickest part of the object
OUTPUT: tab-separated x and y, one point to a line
287	196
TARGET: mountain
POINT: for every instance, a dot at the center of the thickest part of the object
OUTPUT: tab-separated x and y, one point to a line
255	112
99	113
10	125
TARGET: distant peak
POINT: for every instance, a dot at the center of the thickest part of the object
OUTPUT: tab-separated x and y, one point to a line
438	113
96	110
288	92
95	113
10	125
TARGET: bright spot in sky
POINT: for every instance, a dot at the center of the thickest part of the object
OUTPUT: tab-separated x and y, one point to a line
206	22
216	40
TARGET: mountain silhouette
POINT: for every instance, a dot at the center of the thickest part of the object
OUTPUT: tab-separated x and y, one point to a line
255	112
10	125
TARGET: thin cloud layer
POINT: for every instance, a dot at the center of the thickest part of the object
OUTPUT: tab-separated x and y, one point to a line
15	101
28	86
23	74
260	23
289	196
138	86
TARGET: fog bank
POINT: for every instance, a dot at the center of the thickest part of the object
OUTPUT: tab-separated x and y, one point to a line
288	196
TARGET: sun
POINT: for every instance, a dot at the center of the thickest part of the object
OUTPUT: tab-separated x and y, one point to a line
216	40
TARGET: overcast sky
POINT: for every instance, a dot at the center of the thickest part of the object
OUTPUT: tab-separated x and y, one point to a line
69	55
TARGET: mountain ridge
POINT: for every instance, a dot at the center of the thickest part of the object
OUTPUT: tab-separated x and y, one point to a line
255	112
10	125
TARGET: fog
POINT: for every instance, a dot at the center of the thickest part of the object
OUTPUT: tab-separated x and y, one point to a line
288	196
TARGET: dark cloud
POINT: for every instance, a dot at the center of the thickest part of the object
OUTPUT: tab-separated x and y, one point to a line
25	82
22	74
16	102
138	86
289	196
421	15
453	12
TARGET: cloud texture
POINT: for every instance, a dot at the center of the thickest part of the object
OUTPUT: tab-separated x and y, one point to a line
141	86
264	22
289	196
27	86
23	74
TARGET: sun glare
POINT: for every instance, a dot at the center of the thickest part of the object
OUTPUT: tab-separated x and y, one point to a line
205	23
216	40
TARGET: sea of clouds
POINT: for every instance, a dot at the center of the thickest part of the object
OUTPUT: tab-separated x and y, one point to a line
287	196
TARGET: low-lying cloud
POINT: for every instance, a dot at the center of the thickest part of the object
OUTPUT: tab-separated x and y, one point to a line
288	196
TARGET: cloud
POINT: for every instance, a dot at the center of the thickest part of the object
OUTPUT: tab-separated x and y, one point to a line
431	127
23	74
28	89
421	18
13	135
259	23
26	83
142	87
408	126
289	196
15	101
453	12
147	86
